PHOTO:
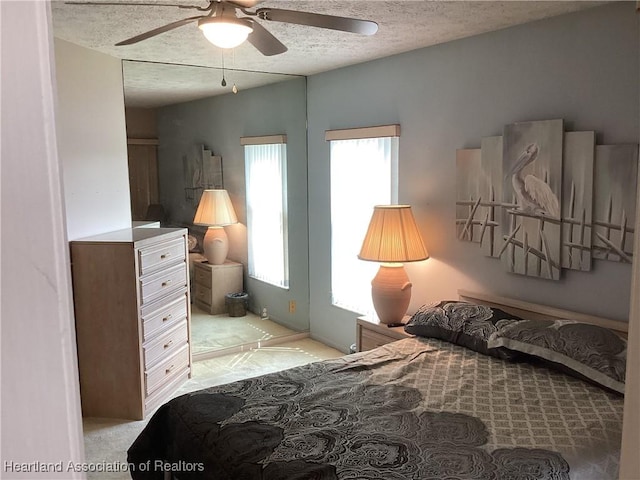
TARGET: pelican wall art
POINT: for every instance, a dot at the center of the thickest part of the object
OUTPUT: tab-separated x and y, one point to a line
531	195
543	200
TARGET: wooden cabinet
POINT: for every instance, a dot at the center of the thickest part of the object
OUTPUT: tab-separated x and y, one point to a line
213	282
143	175
372	334
132	309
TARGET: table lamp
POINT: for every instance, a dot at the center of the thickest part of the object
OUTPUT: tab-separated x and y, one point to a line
215	211
392	238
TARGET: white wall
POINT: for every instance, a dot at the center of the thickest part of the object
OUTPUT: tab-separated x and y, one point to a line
76	137
581	67
41	419
92	140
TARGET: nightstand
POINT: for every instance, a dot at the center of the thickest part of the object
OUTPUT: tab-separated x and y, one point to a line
371	334
213	282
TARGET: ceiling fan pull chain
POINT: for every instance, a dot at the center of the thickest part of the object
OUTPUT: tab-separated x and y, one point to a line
224	82
234	89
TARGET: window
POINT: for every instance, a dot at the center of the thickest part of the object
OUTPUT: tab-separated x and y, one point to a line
364	165
266	184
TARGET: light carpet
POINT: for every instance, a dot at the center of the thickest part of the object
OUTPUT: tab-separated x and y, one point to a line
107	440
215	332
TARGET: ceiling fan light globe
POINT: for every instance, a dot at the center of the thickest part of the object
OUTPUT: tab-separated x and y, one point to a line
225	32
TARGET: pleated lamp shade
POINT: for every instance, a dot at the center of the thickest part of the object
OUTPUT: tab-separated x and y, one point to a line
215	209
392	239
393	236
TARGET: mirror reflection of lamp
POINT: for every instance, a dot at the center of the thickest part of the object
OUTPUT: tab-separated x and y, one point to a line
215	211
392	238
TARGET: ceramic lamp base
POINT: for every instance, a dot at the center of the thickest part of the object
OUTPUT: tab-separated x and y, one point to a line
215	245
391	292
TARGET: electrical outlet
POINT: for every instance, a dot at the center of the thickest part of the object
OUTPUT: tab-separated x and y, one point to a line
292	306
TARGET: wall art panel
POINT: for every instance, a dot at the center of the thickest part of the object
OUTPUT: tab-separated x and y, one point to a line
615	179
491	189
468	200
532	195
577	204
201	170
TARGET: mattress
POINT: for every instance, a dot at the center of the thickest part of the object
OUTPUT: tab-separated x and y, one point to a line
418	408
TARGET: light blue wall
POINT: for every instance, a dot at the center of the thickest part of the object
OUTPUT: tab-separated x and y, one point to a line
580	67
219	122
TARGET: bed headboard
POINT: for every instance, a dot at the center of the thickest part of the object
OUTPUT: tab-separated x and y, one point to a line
535	311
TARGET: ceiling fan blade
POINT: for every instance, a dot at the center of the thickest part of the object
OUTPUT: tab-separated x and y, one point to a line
158	31
134	4
243	3
264	41
353	25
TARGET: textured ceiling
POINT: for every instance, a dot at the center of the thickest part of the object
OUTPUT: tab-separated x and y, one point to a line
182	65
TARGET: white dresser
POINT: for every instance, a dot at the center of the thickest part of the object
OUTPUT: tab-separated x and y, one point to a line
214	282
132	311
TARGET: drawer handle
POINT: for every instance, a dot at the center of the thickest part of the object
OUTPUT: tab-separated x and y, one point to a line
165	255
168	344
168	370
164	319
166	282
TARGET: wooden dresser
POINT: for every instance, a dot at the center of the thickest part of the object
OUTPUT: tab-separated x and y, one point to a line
132	310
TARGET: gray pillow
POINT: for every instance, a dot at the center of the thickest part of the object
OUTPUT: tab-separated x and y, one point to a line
587	351
464	324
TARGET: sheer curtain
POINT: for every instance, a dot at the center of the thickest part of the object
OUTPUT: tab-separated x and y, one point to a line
362	176
265	171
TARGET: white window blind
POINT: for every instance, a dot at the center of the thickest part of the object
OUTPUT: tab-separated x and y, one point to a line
363	174
266	184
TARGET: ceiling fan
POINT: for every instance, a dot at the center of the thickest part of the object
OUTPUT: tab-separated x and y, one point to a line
222	27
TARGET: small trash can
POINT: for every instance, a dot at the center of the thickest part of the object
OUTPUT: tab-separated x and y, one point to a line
237	304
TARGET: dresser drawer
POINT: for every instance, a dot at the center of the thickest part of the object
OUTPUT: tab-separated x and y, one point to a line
370	340
157	257
203	294
162	283
203	276
160	396
163	372
166	344
157	318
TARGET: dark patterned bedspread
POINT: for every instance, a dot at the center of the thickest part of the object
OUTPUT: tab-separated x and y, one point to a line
414	409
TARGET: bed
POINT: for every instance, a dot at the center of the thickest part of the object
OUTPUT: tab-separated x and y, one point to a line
419	408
